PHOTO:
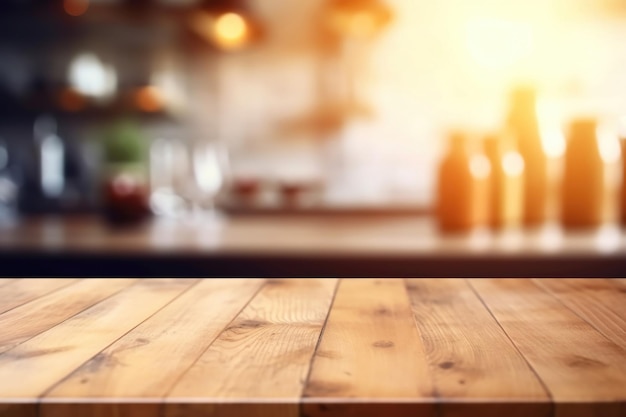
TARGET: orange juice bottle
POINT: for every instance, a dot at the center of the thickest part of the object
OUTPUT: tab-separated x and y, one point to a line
462	188
583	188
524	123
623	185
506	200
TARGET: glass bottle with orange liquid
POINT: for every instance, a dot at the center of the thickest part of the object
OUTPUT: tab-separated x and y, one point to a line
463	187
506	199
524	123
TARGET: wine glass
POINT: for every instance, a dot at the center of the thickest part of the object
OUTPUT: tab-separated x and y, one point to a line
209	167
168	174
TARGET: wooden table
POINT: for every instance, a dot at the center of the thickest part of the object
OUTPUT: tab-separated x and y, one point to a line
312	347
303	246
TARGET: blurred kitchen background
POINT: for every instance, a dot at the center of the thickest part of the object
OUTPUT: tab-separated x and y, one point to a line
176	107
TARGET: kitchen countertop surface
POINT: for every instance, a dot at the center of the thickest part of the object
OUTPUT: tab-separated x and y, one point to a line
312	347
315	245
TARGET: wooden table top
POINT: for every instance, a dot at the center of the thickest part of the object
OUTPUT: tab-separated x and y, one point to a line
322	235
312	347
303	246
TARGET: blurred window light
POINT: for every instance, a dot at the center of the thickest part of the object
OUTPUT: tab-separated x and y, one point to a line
90	77
75	7
498	43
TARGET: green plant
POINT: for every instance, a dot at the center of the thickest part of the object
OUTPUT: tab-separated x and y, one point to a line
123	142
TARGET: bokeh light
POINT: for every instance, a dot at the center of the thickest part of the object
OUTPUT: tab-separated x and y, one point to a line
149	99
75	8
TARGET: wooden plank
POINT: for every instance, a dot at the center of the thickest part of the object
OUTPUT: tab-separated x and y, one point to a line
477	371
20	291
5	281
370	351
584	372
600	302
30	369
258	365
172	339
31	319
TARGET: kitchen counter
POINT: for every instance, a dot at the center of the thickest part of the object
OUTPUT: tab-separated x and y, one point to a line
312	347
304	246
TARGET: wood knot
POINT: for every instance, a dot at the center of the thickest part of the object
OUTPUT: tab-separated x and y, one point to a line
251	324
382	311
583	362
330	354
446	365
383	344
324	389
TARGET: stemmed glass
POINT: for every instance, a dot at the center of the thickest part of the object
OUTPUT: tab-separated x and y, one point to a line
209	167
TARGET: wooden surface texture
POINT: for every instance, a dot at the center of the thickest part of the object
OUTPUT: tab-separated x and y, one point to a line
312	347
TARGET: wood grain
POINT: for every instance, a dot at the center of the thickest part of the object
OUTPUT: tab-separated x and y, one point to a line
261	358
147	361
315	348
370	350
600	302
470	356
20	291
26	321
584	372
30	369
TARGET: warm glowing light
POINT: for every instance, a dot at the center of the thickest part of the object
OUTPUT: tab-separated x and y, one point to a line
360	24
513	164
498	43
552	137
228	31
358	19
480	166
608	145
71	100
75	7
149	99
